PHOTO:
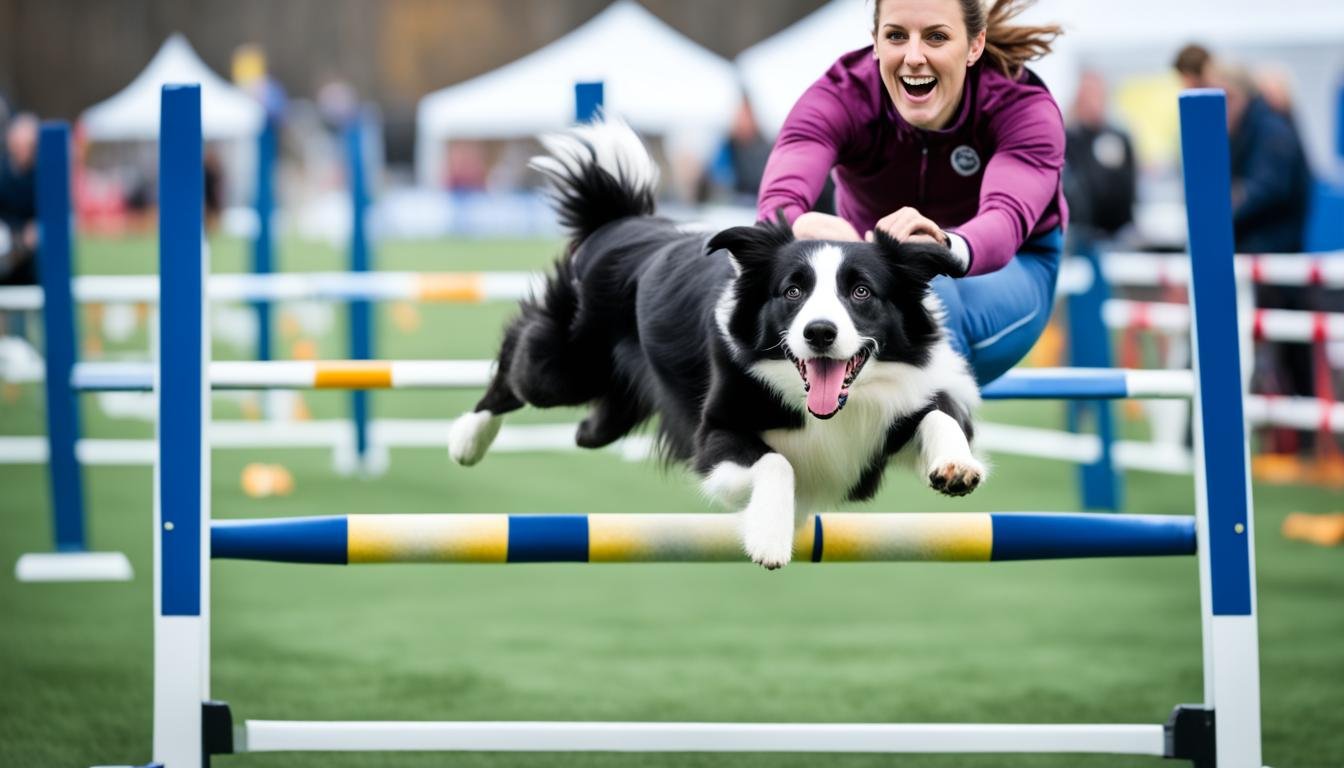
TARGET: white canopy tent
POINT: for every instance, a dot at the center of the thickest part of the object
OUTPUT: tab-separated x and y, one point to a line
655	78
133	113
1121	40
777	70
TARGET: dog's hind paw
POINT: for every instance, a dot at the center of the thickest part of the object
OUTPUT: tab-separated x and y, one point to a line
471	435
955	477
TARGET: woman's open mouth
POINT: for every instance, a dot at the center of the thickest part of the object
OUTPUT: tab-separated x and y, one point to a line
827	381
918	88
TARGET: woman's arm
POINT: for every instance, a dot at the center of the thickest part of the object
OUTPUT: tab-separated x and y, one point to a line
804	154
1021	180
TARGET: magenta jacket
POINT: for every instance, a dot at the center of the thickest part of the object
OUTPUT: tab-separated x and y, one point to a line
992	176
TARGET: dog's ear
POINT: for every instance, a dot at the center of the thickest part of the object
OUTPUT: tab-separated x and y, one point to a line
919	261
752	246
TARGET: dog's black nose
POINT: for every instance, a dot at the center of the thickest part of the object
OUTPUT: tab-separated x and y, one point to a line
820	334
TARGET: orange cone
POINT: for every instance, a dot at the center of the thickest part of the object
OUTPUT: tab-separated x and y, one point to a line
1321	530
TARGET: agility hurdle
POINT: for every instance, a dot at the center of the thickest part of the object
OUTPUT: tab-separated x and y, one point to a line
71	561
662	538
188	727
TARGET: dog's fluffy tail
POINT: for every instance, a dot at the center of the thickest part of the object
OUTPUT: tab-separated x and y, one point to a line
597	173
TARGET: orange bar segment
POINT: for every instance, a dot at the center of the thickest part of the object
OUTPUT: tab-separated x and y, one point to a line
354	374
451	286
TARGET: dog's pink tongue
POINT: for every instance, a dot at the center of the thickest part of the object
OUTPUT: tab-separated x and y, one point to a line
824	379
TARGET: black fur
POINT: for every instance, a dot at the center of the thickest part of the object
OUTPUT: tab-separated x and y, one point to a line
627	324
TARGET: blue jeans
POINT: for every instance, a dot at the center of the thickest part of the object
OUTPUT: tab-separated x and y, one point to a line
993	320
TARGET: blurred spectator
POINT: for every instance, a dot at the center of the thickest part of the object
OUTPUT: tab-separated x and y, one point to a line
213	173
1271	188
735	173
1276	88
18	202
1099	167
1271	183
1193	63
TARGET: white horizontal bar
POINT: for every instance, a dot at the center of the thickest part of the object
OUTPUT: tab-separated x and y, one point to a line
280	286
1160	383
332	433
285	736
73	566
441	373
1154	269
1276	324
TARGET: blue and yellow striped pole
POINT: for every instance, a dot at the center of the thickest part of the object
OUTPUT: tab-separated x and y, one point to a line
638	538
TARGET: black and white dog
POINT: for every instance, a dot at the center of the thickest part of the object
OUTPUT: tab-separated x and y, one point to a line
786	372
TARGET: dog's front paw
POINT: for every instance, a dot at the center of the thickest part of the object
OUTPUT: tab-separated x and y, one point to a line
471	435
767	522
955	477
770	549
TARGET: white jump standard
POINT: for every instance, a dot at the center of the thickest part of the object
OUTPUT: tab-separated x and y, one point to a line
188	727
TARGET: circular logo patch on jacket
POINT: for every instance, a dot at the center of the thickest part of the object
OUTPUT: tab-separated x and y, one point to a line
965	160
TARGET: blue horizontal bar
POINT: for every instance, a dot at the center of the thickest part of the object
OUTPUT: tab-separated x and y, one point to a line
283	540
1054	536
1012	387
548	538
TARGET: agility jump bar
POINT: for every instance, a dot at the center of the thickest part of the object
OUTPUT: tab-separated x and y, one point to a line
1288	325
667	538
455	287
1299	269
1032	383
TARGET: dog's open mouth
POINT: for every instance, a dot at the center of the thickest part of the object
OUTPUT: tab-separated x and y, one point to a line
827	380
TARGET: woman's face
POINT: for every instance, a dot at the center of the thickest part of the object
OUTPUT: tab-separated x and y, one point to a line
923	52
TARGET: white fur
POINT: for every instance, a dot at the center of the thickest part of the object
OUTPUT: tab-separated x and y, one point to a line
768	521
943	448
728	484
609	143
828	456
470	436
824	303
723	313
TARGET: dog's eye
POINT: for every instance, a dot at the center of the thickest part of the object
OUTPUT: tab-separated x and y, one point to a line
793	292
861	293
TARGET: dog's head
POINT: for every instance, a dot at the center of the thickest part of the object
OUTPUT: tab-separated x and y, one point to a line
827	308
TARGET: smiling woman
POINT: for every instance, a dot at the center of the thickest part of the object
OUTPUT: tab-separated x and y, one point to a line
939	133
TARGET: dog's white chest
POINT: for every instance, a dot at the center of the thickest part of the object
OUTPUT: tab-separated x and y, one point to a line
829	457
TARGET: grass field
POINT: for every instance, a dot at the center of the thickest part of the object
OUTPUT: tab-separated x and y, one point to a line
1089	641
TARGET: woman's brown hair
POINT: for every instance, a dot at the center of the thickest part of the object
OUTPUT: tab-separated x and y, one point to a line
1008	47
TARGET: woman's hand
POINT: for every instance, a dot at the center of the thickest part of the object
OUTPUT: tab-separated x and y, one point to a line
908	225
823	226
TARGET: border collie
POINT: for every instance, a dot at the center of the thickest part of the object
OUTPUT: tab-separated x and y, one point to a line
786	372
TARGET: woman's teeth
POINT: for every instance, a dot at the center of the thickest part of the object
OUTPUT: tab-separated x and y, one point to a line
918	86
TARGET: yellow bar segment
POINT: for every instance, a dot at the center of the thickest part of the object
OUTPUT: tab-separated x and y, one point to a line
451	286
663	538
427	539
353	374
851	536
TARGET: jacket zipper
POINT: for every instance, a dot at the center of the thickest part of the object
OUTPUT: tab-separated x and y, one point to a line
923	169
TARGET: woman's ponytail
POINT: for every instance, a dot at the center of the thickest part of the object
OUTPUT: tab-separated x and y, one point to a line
1008	47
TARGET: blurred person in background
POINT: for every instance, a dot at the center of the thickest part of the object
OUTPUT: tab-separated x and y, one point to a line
18	202
1271	182
1192	65
939	133
1276	88
1099	167
734	174
1271	189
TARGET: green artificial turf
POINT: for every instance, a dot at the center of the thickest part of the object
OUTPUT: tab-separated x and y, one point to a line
1088	641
